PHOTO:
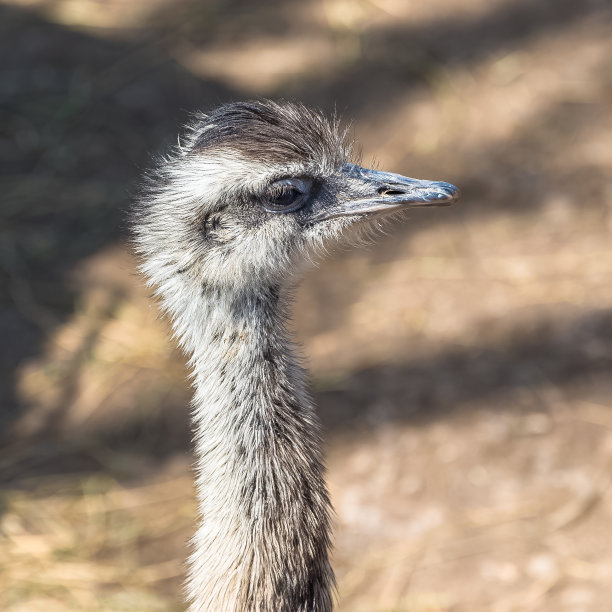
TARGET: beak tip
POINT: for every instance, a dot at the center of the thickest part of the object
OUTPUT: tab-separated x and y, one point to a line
449	194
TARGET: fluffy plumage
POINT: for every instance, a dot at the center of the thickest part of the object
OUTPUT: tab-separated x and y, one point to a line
224	225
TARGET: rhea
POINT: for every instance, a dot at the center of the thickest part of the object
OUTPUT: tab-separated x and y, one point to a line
224	226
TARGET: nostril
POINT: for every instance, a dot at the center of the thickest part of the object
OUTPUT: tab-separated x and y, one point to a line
390	191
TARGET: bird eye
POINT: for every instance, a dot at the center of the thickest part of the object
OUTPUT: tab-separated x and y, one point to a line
286	195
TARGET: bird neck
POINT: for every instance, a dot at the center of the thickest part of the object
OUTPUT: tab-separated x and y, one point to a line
263	541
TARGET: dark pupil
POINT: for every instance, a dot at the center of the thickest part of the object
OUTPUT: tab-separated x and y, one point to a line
283	196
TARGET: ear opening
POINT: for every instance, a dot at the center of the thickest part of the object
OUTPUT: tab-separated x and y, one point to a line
209	226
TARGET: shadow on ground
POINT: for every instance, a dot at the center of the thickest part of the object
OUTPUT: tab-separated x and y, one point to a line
548	353
82	114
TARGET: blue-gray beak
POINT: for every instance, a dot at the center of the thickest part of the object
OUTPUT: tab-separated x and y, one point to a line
381	192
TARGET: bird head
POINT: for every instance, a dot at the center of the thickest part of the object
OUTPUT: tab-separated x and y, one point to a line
254	189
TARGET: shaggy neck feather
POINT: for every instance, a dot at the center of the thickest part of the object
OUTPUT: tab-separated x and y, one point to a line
263	541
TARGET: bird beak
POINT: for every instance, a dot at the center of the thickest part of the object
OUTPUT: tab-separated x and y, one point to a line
376	192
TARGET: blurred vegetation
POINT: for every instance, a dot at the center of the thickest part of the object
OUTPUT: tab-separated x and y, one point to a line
461	364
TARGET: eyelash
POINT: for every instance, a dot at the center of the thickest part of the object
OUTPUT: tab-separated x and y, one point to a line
299	187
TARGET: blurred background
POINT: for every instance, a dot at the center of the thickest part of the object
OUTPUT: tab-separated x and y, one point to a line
461	365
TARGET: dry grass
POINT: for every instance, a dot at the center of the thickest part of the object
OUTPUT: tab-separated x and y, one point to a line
87	542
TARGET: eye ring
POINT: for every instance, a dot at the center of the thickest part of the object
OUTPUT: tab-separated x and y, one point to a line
286	195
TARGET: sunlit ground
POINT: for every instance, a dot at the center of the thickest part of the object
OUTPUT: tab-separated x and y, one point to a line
461	364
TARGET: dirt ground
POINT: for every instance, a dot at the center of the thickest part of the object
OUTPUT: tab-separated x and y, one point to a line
461	365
